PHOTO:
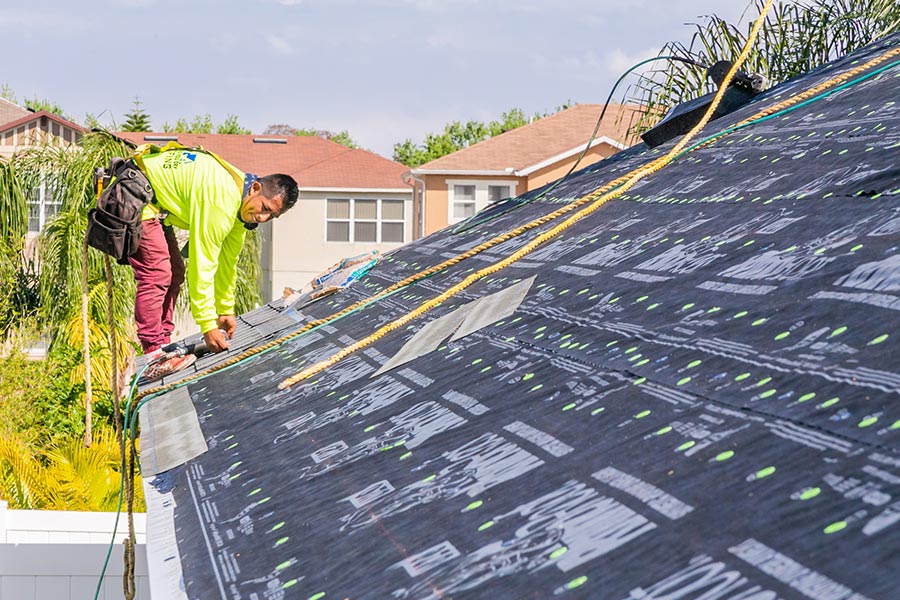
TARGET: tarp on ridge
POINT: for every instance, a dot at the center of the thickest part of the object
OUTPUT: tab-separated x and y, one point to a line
698	396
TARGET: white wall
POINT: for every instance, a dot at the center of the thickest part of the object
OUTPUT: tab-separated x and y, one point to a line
58	555
299	251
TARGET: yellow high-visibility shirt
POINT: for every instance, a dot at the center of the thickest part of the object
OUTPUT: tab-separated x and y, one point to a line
201	196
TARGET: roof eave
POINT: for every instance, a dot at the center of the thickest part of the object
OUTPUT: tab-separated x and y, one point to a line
358	190
483	172
567	154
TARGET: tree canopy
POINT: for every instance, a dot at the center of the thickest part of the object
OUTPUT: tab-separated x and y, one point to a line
204	124
137	119
458	135
340	137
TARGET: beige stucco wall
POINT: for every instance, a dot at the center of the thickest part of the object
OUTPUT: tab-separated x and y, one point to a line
436	186
557	170
437	209
297	246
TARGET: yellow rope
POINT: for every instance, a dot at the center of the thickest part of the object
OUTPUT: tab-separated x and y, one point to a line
635	177
499	239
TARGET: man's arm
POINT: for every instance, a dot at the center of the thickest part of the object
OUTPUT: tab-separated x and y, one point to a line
226	274
209	228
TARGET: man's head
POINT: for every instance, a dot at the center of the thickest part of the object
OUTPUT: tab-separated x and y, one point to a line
268	198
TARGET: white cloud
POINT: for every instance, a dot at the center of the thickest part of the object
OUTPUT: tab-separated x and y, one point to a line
290	2
618	61
280	45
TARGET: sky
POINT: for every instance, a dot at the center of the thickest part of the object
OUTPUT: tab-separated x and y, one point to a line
384	70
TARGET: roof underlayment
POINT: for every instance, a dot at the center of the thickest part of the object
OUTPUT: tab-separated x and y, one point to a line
696	397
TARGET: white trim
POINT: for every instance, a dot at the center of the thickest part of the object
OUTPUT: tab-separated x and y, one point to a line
357	190
504	173
524	172
564	155
481	193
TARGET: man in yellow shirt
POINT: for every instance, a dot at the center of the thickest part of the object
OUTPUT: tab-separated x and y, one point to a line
199	192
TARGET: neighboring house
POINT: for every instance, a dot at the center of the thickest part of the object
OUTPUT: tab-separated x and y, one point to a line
351	201
458	185
10	111
21	128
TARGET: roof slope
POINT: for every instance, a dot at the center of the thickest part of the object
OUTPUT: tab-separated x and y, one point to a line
531	144
697	395
313	161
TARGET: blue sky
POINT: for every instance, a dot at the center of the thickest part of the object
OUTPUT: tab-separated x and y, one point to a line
385	70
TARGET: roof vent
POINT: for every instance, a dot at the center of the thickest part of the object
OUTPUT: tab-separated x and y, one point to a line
160	138
259	140
682	118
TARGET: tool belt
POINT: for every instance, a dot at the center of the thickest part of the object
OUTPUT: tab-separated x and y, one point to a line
114	225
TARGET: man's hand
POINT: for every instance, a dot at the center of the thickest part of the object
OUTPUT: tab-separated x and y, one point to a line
227	323
215	340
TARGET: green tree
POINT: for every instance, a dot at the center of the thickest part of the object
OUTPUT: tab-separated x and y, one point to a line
8	94
38	104
231	125
137	119
340	137
795	38
55	294
458	135
65	476
408	153
199	124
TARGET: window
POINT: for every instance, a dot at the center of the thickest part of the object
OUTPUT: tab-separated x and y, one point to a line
498	192
393	223
338	221
365	220
465	198
463	201
42	206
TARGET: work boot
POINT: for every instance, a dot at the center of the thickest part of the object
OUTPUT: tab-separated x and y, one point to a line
167	367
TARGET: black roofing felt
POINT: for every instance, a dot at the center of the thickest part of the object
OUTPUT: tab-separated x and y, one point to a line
697	398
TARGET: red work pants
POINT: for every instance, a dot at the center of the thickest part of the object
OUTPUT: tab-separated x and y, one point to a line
159	273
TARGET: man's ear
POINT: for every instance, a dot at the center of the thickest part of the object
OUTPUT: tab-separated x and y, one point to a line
255	187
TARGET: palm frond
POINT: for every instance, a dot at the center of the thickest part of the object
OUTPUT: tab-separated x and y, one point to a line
796	37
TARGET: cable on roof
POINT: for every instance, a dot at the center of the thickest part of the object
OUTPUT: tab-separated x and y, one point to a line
514	203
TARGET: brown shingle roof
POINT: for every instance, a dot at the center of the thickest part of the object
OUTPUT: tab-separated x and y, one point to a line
313	161
536	142
36	117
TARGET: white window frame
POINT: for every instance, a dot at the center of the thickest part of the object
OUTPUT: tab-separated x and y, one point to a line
43	202
481	193
379	221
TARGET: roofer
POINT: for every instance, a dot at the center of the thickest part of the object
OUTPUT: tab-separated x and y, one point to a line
216	203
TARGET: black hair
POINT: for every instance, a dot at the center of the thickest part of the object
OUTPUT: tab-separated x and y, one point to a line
279	184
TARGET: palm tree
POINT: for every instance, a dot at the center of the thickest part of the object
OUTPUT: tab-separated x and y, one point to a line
51	289
66	476
66	173
795	38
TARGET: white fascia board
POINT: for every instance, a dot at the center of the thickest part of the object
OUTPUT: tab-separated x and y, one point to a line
504	173
568	153
404	190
